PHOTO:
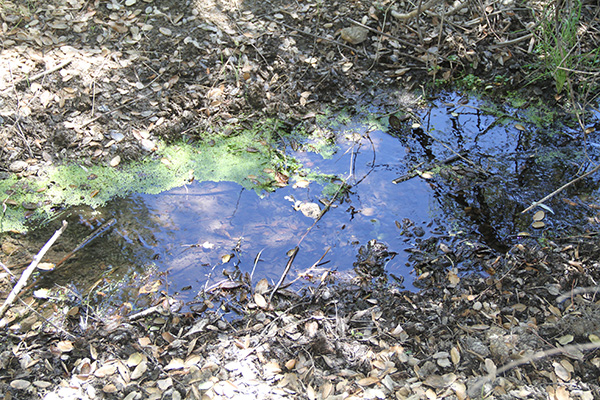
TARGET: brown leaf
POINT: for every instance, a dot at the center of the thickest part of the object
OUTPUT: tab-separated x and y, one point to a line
65	346
368	381
262	286
260	300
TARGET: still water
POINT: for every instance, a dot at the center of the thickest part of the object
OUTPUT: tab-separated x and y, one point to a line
191	237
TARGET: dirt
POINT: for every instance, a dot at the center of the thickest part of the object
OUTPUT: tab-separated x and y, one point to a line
136	73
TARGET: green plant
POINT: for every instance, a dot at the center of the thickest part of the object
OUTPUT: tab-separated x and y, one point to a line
558	42
564	57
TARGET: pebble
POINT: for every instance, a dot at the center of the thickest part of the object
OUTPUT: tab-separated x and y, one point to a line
354	34
17	166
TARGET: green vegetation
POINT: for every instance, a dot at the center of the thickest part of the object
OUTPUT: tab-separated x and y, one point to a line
562	55
249	158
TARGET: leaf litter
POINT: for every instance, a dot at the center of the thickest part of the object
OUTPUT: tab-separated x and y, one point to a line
117	78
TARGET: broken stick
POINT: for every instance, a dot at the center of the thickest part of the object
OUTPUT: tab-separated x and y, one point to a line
29	270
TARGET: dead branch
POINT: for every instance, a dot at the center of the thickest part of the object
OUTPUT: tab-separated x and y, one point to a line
42	74
285	272
29	270
560	189
416	11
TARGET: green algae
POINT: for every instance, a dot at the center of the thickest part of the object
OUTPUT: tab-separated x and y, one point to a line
249	158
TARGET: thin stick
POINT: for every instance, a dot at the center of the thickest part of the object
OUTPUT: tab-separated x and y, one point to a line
560	189
540	354
42	74
416	11
29	270
285	272
96	233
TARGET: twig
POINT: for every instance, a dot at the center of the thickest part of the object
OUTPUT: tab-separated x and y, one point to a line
416	11
285	272
560	189
29	270
540	354
96	233
42	74
415	170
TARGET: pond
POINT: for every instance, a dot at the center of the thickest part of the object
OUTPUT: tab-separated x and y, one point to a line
455	170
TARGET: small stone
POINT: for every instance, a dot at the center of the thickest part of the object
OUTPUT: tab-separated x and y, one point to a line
17	166
115	161
20	384
354	34
117	136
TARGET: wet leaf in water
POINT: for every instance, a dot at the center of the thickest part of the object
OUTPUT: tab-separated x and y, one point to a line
426	175
547	208
395	122
30	206
538	216
310	210
150	287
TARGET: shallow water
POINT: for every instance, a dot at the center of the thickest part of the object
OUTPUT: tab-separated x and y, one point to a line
188	237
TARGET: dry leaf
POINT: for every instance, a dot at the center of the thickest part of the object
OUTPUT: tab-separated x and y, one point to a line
20	384
290	364
139	371
65	346
105	370
260	300
262	286
491	368
368	381
455	355
134	359
311	328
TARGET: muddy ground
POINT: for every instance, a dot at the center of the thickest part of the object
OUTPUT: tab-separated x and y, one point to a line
104	82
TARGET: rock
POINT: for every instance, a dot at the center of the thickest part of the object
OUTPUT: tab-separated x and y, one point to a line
354	34
17	166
